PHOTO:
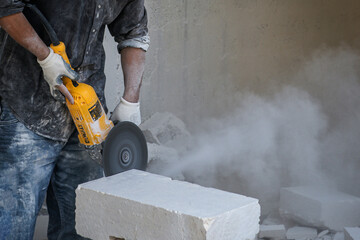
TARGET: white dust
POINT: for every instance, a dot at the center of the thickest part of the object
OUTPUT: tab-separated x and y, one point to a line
307	132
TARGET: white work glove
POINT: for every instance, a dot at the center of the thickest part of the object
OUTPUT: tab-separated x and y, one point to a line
127	111
54	68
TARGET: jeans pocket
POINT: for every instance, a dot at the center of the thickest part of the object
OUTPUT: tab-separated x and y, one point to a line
6	116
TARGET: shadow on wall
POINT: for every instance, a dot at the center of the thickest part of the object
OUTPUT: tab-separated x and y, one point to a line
305	133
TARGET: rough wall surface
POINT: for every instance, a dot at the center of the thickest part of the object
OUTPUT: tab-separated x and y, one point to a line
140	205
204	50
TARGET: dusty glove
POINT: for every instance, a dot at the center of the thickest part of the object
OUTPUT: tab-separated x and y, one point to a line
127	111
54	68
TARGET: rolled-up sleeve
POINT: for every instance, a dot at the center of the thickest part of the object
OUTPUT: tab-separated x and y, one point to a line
9	7
130	27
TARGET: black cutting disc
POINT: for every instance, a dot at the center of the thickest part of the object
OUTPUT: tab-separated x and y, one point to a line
125	148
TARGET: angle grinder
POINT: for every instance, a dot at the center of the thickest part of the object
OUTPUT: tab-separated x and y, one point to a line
118	147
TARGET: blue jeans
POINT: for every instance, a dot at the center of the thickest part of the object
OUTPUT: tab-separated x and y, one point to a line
30	166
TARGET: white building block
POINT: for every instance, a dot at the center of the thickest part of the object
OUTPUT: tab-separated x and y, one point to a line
352	233
297	233
139	205
320	207
272	231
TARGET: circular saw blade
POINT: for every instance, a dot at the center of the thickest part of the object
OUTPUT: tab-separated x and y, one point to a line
124	148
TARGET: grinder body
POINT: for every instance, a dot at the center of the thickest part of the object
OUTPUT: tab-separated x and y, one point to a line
89	116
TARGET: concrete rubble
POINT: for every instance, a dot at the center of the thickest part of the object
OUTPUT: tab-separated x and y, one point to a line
320	207
323	233
165	129
296	231
304	233
272	231
163	209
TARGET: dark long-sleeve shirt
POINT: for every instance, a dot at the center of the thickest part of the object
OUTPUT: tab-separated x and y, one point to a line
80	24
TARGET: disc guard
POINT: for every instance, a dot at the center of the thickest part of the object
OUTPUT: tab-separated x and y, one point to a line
124	148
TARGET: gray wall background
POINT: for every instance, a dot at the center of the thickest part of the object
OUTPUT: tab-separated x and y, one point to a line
204	50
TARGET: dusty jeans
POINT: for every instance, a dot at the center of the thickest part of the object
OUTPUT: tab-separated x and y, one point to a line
30	165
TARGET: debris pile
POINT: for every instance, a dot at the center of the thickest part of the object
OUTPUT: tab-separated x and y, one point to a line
279	232
313	213
272	231
165	129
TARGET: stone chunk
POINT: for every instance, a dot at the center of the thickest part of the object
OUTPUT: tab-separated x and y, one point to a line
352	233
164	128
273	219
140	205
320	207
323	233
300	233
272	231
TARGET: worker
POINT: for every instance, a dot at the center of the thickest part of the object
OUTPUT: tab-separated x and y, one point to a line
39	149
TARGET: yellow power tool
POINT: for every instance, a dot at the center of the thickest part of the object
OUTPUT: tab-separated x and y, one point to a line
87	112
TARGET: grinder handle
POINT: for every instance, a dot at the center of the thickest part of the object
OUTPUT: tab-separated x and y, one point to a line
61	50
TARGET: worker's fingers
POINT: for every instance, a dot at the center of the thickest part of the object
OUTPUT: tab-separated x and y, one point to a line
66	93
70	73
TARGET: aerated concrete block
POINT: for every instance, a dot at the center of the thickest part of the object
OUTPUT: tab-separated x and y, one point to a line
272	231
320	207
139	205
352	233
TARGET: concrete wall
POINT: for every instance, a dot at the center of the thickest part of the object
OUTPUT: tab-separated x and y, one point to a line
204	50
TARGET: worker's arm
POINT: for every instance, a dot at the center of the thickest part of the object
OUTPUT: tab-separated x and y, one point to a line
131	33
133	64
18	27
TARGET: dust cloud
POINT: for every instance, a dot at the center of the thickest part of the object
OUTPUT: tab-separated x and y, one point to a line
305	133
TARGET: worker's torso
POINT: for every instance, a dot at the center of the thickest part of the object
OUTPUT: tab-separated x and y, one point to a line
80	24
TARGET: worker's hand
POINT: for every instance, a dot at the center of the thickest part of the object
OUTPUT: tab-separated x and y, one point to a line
54	68
127	111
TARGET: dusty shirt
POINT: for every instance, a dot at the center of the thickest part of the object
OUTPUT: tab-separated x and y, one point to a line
80	24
